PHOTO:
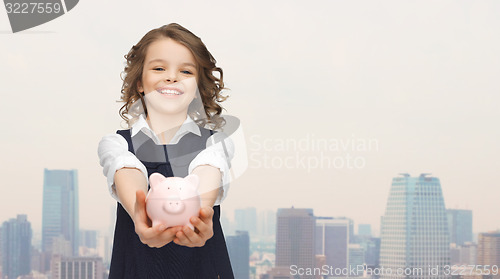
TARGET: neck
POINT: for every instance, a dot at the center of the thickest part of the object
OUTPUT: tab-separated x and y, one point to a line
165	126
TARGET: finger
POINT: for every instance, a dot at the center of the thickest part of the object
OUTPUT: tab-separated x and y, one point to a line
140	204
181	239
192	238
203	228
170	233
204	223
147	234
159	228
160	231
155	238
191	235
206	213
163	238
140	216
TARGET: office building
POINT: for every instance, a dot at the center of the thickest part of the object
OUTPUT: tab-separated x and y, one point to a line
295	238
414	229
238	247
16	235
465	254
267	223
246	220
332	241
488	249
364	230
356	258
88	238
60	210
76	268
372	251
459	225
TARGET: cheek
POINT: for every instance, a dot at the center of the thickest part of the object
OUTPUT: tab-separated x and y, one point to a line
148	82
191	85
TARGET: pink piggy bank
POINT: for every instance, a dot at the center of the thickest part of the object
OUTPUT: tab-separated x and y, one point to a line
173	201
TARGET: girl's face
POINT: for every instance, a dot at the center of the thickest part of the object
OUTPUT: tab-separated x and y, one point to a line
169	78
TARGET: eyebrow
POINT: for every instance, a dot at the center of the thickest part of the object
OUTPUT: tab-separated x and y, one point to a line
163	61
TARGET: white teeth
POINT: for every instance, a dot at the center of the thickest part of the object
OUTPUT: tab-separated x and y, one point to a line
170	92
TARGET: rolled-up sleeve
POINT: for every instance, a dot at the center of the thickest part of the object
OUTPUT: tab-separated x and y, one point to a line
218	153
114	155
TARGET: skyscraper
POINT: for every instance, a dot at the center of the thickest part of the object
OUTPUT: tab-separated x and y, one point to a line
365	230
414	229
459	225
60	209
351	228
356	257
372	254
332	240
76	268
488	250
16	237
88	243
227	225
371	248
267	223
295	238
238	247
246	220
465	254
88	238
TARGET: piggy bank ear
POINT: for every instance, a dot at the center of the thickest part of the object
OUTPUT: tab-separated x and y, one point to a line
192	180
156	178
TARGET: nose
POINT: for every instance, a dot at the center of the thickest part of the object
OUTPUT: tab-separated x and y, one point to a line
171	76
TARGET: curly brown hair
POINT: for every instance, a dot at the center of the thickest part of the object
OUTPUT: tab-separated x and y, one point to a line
209	85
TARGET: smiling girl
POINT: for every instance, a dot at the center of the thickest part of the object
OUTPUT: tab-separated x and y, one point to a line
171	94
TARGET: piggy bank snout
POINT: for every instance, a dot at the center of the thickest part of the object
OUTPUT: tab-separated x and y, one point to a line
173	205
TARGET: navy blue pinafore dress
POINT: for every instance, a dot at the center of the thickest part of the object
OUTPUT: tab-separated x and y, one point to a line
131	259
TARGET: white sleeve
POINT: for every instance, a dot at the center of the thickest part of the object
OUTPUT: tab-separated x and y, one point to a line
114	155
218	153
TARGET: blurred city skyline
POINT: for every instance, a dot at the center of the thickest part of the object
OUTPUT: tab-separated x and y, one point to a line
230	216
266	232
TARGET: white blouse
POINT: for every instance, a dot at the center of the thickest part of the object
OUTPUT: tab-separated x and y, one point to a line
114	155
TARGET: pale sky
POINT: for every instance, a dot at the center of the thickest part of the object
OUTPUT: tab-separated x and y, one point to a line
418	78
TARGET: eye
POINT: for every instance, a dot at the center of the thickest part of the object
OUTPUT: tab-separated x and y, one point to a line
159	69
186	72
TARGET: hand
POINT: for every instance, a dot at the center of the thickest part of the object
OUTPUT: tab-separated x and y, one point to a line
157	236
203	229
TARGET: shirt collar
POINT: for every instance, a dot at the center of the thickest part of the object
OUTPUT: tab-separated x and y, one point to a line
188	126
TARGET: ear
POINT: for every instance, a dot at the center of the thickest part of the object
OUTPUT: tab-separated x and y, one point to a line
139	87
156	178
193	180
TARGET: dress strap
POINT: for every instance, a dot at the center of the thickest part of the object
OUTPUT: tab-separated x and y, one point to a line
126	134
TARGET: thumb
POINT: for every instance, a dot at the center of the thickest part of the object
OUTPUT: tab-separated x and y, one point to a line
140	207
206	213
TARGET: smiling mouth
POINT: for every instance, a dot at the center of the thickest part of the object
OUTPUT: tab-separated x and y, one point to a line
169	91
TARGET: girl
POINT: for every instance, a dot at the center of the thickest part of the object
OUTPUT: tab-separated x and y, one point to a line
170	94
